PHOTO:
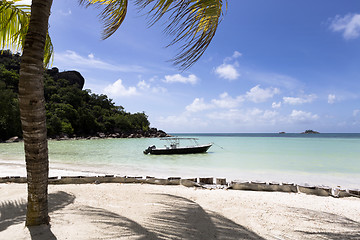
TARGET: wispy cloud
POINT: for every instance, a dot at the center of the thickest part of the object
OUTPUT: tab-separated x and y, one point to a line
274	79
235	55
356	112
73	60
348	25
64	13
331	98
252	116
178	78
299	100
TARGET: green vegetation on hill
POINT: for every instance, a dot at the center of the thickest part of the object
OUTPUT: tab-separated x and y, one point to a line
69	109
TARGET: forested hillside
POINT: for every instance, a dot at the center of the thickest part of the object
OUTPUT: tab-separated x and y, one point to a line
70	111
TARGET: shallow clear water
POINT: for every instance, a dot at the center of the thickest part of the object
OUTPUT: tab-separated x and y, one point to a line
330	159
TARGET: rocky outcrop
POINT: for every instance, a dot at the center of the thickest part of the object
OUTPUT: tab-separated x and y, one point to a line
151	133
13	139
74	77
310	132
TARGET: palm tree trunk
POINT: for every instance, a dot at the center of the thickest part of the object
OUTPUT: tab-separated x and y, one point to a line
33	115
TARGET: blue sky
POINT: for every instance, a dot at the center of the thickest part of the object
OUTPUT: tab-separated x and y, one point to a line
272	66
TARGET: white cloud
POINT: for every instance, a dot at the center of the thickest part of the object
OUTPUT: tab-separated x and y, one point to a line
303	117
299	100
72	60
276	105
227	71
117	89
227	101
258	94
146	87
198	105
331	98
349	25
192	79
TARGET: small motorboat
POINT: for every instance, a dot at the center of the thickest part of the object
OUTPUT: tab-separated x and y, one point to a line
175	148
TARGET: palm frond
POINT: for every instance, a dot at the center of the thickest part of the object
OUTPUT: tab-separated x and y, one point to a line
14	24
192	23
113	13
15	20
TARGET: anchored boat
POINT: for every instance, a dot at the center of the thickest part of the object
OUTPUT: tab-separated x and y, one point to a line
174	147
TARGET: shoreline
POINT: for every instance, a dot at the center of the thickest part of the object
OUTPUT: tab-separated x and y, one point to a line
66	176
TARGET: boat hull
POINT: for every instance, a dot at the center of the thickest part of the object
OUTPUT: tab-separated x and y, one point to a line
187	150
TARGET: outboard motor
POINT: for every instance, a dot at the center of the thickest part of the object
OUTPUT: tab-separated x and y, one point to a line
148	150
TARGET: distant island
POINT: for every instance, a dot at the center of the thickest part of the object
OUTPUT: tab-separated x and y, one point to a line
71	112
310	132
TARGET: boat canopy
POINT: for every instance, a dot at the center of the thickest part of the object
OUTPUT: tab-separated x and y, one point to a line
175	141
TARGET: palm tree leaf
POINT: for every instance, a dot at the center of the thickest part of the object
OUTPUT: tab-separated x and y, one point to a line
113	13
14	23
192	23
14	20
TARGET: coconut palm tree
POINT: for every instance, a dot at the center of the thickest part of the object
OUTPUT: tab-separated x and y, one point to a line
191	23
20	28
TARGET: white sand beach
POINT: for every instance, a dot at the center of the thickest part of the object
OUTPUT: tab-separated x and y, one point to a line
143	211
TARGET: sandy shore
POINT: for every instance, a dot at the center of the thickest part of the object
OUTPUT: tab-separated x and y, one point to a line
141	211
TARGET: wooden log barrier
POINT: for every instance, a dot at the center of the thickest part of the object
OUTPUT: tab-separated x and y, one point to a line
221	181
208	180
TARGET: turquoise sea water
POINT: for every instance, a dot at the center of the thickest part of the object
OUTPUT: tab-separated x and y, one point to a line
329	159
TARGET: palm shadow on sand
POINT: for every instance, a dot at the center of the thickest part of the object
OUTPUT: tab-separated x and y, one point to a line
173	217
168	217
14	212
332	223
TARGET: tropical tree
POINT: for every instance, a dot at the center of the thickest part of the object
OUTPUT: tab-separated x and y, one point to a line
191	23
